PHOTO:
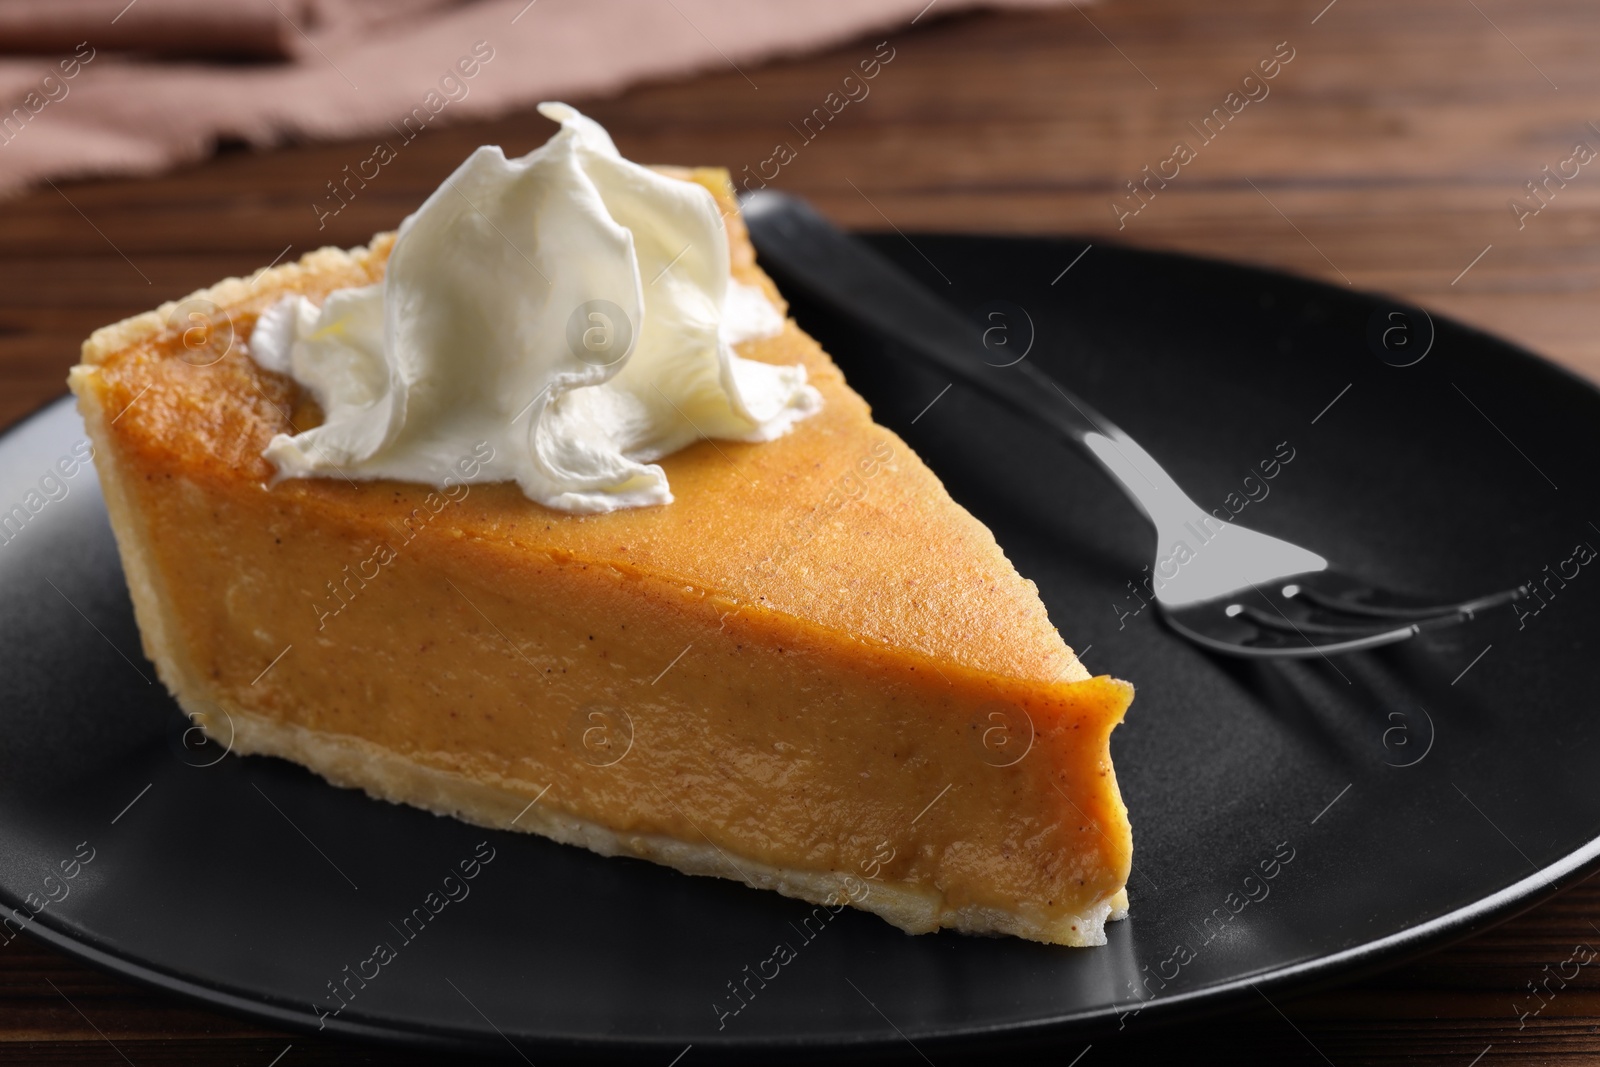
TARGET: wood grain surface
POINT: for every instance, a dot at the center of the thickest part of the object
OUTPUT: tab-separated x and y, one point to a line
1385	154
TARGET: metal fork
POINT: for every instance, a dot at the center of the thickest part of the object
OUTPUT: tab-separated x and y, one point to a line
1229	588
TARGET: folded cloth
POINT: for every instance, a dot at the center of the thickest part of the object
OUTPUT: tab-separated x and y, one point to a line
240	28
127	95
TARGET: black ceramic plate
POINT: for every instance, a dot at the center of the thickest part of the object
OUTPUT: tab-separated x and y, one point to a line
1293	821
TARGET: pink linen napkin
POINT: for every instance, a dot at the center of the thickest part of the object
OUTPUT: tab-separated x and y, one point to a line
110	87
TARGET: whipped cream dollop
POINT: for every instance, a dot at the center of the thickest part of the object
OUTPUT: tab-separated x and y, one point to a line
570	308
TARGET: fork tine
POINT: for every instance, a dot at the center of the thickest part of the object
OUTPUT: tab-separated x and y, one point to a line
1303	627
1284	643
1323	625
1347	606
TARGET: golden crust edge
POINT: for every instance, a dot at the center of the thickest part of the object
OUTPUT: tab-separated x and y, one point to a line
232	293
156	626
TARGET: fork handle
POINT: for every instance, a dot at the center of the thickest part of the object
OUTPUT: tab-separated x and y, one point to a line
851	277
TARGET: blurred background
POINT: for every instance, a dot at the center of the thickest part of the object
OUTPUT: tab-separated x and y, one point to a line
1441	150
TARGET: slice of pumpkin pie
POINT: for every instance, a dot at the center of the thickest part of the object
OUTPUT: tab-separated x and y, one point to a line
541	515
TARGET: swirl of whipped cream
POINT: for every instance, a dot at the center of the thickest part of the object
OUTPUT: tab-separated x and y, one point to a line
571	308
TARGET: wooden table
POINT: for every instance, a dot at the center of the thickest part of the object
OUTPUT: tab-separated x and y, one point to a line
1385	154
